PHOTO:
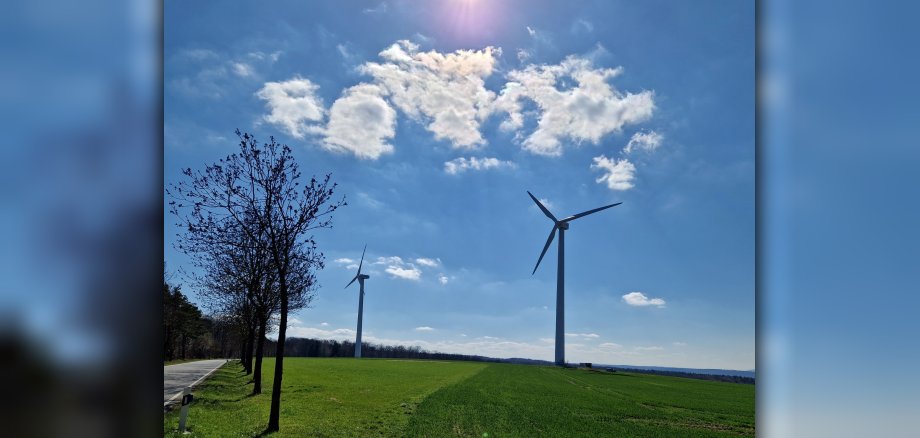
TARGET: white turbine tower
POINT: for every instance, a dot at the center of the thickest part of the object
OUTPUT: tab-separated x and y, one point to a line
360	277
560	225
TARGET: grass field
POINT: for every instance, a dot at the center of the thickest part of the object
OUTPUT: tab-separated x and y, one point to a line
380	397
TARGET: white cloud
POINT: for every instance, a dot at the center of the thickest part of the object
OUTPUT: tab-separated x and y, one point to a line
442	279
379	9
361	122
639	299
392	260
324	324
409	273
679	344
582	26
428	262
293	105
446	92
462	164
523	55
369	201
491	346
531	31
422	39
618	174
648	141
242	69
583	335
575	102
345	261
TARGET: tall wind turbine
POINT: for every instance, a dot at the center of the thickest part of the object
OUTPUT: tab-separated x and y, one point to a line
360	277
560	225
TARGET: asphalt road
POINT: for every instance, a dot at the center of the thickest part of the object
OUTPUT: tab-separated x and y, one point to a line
177	377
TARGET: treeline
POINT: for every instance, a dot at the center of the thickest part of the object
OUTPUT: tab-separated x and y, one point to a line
712	377
307	347
190	334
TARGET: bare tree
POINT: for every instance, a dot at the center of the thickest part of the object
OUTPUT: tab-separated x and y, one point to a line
258	191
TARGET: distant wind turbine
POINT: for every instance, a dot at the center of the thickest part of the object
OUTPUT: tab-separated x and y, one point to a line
560	225
360	277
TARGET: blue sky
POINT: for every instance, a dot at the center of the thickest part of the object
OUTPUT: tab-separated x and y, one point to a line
436	117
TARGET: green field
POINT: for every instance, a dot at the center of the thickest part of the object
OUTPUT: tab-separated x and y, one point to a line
380	397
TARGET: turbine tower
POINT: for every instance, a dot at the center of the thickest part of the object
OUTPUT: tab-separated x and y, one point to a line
560	225
360	277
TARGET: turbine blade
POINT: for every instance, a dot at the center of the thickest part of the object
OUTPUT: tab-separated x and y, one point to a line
350	282
362	259
585	213
552	234
545	211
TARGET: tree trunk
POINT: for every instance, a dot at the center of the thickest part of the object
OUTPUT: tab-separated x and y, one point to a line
279	357
243	352
250	341
257	373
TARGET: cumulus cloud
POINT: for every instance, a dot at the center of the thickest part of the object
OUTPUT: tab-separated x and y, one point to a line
647	141
409	269
617	174
428	262
293	106
392	260
424	329
639	299
575	100
361	122
445	92
571	102
462	164
407	273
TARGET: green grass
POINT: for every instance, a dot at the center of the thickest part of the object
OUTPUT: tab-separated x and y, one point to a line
526	401
379	397
320	397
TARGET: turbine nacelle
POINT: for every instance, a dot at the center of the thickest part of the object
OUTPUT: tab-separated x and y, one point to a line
359	275
560	224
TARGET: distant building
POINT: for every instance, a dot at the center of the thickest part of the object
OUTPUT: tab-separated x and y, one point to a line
586	364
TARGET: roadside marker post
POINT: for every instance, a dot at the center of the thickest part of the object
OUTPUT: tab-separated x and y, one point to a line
186	401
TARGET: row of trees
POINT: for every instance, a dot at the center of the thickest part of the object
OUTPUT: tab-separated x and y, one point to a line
246	224
304	347
189	334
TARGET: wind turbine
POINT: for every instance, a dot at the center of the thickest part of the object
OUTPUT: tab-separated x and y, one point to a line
560	225
360	277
